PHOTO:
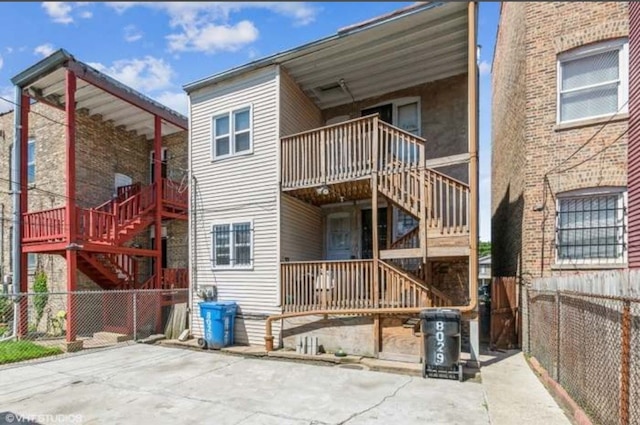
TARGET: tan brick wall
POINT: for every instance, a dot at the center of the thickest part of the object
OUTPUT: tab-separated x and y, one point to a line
443	114
529	125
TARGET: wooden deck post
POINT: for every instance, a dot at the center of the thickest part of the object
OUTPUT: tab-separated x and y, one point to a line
423	203
70	218
374	230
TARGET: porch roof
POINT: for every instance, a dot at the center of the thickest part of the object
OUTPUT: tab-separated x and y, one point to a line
418	44
98	93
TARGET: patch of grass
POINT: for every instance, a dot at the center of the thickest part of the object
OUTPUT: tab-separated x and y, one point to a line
17	351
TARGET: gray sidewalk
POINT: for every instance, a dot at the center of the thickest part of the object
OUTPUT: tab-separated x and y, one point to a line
514	393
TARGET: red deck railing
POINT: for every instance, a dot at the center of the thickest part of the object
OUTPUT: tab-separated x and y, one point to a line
174	193
44	226
175	278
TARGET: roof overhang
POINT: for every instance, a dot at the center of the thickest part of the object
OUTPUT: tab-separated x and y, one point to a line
424	42
98	94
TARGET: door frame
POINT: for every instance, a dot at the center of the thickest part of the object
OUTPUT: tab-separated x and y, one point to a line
327	232
401	101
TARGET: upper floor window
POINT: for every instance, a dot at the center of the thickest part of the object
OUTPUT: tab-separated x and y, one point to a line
232	133
31	162
232	245
593	81
591	226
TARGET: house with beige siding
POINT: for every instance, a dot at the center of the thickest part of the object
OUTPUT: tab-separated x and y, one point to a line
334	185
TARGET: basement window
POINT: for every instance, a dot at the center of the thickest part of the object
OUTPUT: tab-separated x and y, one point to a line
232	133
232	245
591	227
593	81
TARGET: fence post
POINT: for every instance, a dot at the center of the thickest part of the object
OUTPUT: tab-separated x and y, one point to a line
558	336
625	369
135	316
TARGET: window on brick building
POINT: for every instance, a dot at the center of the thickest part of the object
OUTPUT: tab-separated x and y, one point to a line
591	226
31	162
593	81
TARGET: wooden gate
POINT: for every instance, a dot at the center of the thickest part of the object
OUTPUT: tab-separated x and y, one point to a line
505	317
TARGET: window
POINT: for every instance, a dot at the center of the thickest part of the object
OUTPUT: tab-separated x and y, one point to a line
10	167
404	223
232	245
593	81
232	133
591	228
31	261
31	162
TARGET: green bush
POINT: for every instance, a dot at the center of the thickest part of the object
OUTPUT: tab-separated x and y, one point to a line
42	294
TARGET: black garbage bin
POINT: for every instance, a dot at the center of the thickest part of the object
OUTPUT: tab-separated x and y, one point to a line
441	337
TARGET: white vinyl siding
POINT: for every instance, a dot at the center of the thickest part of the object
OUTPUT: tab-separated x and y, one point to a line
593	81
243	186
297	112
301	230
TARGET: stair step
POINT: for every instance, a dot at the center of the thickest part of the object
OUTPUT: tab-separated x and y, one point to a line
411	322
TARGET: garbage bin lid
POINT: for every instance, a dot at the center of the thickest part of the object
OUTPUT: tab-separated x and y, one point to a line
440	313
217	304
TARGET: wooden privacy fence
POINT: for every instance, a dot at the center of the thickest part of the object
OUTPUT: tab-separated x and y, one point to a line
584	329
505	315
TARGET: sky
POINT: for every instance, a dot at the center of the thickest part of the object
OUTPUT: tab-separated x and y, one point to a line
157	47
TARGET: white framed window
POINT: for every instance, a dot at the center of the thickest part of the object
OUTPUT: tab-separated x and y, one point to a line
593	81
591	226
31	161
232	133
232	245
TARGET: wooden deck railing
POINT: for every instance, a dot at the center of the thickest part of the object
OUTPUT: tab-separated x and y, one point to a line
340	285
347	151
448	207
44	226
95	226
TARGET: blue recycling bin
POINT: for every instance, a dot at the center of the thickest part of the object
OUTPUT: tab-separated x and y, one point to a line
219	319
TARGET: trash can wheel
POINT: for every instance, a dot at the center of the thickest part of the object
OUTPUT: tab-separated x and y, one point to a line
202	343
460	373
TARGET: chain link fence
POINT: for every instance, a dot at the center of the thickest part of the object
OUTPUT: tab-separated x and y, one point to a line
39	324
590	344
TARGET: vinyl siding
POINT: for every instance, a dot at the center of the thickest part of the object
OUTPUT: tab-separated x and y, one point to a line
301	230
634	135
297	112
236	189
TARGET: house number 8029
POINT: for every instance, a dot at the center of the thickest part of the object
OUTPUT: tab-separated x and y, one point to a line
439	343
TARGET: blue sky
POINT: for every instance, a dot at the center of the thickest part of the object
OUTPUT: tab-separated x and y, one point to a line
157	47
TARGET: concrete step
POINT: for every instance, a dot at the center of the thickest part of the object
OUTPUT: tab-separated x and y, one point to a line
111	337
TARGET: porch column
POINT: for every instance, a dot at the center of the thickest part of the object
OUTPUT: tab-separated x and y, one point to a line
21	189
472	100
157	172
375	245
70	214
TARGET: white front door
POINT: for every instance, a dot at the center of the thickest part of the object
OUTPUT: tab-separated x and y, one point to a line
338	236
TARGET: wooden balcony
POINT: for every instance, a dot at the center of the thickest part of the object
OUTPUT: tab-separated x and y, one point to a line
353	284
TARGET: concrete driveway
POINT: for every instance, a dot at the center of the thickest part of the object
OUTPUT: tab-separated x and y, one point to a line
154	384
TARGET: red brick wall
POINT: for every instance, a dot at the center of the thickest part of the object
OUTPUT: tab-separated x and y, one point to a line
533	157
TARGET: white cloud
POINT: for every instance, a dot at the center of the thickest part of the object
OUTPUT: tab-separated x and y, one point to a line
132	33
207	27
61	11
1	62
174	100
484	68
211	38
6	92
9	49
44	50
145	74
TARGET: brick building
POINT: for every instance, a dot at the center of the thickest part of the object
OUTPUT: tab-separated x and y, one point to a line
559	133
93	203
